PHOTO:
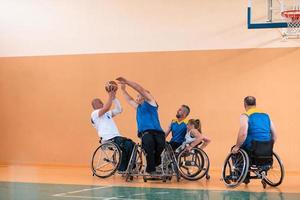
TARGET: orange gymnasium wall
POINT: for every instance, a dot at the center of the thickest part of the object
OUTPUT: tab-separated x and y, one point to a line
45	101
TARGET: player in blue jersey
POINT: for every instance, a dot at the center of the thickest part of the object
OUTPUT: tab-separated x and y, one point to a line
255	125
178	127
148	124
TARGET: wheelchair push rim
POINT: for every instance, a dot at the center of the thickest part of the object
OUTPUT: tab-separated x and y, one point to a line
235	168
106	160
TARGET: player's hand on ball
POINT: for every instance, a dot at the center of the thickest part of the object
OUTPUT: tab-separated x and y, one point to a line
111	86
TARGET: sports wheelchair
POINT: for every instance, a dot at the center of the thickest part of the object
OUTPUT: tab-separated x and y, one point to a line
137	165
260	161
193	165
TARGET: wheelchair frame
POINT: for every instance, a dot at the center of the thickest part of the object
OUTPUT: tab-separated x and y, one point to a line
259	171
170	165
137	165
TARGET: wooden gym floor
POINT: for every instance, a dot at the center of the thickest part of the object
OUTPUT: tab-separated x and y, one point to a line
26	182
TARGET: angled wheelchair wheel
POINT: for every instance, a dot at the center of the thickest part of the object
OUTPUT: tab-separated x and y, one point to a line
275	173
205	166
193	165
235	168
131	163
136	164
106	160
174	165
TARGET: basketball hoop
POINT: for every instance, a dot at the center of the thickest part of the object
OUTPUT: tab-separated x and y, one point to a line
291	14
292	18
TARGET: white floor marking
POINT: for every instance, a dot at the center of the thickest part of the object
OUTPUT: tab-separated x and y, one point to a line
162	192
190	192
104	198
139	194
83	190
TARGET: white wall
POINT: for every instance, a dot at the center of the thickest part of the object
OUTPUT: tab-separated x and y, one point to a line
35	27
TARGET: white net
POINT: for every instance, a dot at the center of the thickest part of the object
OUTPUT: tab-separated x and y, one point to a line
291	14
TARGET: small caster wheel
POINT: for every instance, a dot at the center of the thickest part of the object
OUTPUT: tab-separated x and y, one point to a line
207	176
93	174
131	178
145	180
264	184
164	179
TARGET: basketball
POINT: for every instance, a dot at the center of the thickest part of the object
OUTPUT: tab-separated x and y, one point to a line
111	86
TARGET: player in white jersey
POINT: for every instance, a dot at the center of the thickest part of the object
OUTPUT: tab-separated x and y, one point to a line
102	120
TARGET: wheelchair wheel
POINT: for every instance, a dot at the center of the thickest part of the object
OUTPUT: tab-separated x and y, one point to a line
235	168
193	165
275	174
140	160
106	160
174	165
131	163
205	166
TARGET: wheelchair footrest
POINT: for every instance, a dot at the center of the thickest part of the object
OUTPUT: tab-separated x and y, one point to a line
156	177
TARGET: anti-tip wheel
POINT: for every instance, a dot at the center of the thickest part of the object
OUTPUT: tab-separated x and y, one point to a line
207	176
264	184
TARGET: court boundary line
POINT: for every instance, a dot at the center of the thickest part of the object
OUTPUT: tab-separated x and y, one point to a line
82	190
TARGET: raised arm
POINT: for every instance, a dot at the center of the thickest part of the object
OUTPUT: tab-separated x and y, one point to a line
128	98
118	108
273	132
137	87
242	135
106	107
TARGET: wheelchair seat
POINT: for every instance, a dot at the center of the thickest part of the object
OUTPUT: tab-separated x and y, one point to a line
261	153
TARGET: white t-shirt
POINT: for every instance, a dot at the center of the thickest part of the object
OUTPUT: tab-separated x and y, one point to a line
105	125
188	138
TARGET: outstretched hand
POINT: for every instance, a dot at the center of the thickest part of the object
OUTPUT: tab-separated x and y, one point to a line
121	80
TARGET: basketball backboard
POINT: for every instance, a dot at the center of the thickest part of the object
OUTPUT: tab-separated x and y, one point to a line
267	13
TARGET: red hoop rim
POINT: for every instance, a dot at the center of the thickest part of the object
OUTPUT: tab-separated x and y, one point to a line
291	14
